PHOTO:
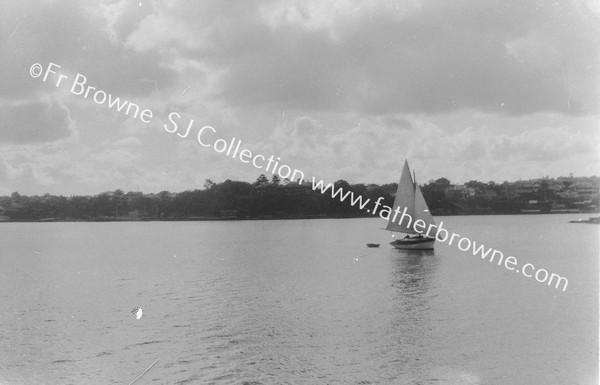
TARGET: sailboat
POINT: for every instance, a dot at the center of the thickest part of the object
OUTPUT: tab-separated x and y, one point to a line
409	196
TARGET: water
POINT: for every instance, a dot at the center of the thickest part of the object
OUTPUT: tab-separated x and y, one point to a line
295	302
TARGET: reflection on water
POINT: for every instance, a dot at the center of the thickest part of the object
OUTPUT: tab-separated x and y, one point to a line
413	270
412	273
411	277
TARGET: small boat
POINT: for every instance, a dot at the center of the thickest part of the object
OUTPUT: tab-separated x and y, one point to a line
372	244
410	197
594	220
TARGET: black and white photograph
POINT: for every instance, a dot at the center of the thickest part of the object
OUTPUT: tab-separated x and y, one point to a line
266	192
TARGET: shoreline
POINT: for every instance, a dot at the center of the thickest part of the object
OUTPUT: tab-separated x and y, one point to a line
261	218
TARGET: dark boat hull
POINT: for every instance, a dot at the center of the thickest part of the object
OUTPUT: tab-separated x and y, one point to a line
414	243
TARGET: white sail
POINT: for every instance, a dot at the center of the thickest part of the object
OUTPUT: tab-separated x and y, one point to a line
409	196
405	198
421	209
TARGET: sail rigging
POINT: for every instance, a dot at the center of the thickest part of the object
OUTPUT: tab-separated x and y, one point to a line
409	197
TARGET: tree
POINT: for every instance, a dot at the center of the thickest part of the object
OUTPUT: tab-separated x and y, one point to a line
478	186
209	184
119	202
163	204
544	192
275	180
261	181
443	182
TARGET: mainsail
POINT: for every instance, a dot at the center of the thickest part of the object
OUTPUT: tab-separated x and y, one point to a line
409	196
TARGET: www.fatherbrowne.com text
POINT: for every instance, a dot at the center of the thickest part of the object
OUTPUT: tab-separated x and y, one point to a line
400	216
234	148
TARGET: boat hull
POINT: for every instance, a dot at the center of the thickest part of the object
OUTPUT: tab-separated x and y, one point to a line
414	244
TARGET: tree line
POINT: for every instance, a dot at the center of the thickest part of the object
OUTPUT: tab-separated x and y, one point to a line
230	199
262	199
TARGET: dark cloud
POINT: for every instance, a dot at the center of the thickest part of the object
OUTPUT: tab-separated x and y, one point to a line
34	123
82	40
513	57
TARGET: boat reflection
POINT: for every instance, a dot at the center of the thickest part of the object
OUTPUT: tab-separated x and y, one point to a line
412	270
412	277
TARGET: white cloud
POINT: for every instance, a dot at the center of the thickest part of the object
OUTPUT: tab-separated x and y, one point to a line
347	89
34	122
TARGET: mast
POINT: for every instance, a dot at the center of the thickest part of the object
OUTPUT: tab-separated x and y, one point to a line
409	197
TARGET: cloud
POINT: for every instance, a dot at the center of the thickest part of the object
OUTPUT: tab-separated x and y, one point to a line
345	89
34	122
513	57
83	38
544	144
373	149
42	164
374	58
118	157
130	141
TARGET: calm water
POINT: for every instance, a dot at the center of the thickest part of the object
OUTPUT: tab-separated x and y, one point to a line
295	302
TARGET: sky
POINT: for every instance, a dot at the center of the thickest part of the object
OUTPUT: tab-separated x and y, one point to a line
467	90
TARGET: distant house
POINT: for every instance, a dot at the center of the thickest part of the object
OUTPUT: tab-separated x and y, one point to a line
568	194
460	192
579	191
585	190
509	190
455	192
